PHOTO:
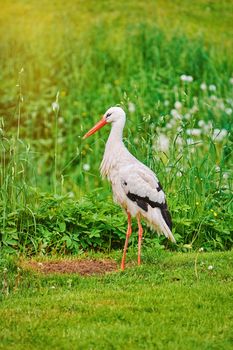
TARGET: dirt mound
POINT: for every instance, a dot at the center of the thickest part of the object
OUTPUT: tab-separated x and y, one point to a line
81	267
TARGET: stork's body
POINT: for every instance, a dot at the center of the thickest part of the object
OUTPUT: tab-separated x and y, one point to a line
135	186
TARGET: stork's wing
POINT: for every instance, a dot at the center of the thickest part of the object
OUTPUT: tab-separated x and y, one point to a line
142	186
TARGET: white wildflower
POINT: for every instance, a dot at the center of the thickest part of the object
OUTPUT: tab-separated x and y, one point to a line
169	125
231	80
163	143
210	267
193	132
86	167
201	123
208	126
166	103
183	77
230	101
175	114
221	105
201	249
212	87
179	141
194	109
190	141
179	174
179	129
178	105
131	107
203	86
189	79
187	116
225	176
213	98
186	78
217	169
228	111
55	106
219	135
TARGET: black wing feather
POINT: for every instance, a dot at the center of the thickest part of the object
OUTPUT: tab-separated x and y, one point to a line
143	203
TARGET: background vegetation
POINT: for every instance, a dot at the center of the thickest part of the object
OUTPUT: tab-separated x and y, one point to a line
168	63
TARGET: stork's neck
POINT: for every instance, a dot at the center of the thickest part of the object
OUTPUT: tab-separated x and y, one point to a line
116	134
114	148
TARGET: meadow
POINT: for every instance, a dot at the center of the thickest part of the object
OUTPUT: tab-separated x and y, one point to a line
172	301
169	64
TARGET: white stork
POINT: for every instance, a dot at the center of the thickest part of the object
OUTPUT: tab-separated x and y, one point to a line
135	187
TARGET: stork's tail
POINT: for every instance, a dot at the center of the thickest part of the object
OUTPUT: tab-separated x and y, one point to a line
160	220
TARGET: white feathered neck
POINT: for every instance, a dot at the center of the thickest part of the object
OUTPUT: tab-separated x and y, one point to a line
115	150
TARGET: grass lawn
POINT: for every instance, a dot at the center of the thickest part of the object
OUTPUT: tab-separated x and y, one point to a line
166	303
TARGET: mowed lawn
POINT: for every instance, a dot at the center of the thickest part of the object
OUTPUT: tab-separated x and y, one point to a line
173	301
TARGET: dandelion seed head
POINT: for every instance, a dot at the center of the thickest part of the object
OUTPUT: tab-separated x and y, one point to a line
190	141
178	105
131	107
193	132
55	106
186	78
201	123
86	167
175	114
163	143
194	109
213	98
219	135
203	86
187	116
230	101
212	87
228	111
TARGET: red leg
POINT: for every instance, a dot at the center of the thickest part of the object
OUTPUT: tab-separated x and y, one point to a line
128	233
140	232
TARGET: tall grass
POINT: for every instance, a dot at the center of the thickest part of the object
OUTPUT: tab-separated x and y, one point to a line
138	66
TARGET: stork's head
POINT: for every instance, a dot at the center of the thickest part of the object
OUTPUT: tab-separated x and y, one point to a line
112	115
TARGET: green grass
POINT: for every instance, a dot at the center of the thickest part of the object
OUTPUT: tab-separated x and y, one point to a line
173	301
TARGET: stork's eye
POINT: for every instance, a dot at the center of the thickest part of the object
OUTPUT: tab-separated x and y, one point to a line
108	115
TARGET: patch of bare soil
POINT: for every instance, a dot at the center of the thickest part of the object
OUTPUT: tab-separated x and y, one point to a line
81	267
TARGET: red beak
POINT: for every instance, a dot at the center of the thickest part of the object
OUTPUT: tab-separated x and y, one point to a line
95	128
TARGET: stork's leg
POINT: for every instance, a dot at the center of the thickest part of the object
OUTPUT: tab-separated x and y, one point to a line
128	233
140	232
